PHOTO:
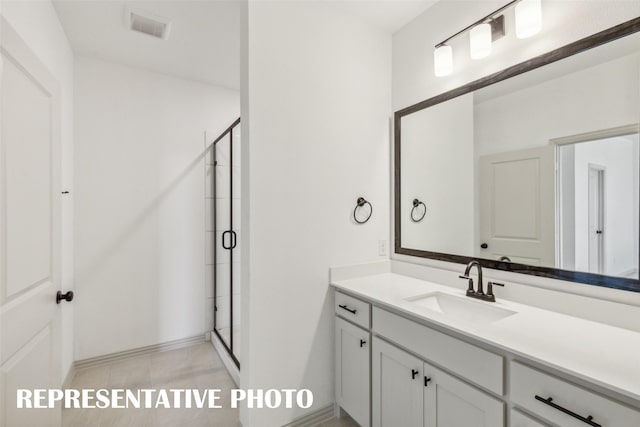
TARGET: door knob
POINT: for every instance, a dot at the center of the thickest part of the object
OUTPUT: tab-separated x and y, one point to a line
67	296
484	246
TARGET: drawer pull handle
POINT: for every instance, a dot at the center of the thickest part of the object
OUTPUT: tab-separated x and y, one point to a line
414	373
426	381
362	343
344	307
549	401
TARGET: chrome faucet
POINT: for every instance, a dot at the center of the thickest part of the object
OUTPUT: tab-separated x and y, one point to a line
479	293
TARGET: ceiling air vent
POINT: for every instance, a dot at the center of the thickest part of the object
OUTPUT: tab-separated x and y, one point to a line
147	23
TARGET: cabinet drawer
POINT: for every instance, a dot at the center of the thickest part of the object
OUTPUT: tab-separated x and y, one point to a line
529	385
468	361
518	419
353	309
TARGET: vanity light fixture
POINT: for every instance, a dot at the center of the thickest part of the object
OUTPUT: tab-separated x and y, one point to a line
485	31
443	60
480	41
528	18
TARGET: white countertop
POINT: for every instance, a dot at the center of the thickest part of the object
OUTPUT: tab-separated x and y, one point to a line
595	352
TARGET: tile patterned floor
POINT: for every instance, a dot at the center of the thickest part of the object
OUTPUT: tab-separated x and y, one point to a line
196	366
345	421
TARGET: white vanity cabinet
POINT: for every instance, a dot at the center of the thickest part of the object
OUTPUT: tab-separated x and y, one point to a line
518	419
395	369
564	403
353	374
409	392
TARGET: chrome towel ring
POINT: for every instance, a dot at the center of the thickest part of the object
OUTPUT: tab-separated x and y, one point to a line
416	204
360	203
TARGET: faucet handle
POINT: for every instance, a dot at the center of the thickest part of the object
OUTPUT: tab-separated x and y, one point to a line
470	290
490	287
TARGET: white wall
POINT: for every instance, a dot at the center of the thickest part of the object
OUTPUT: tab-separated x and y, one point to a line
564	21
601	97
140	246
438	169
620	200
566	188
413	78
38	24
316	137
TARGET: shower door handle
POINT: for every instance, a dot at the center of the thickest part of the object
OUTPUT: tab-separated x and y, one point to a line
224	233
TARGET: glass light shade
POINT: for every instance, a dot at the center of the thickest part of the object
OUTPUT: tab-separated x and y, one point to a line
528	18
480	41
443	60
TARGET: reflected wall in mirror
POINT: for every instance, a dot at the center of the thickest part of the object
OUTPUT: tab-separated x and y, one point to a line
535	173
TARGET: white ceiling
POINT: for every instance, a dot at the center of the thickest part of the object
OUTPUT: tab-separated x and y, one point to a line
389	15
204	43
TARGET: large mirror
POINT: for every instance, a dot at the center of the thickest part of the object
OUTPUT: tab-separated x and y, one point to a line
533	170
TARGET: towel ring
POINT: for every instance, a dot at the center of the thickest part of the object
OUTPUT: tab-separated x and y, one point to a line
360	203
416	204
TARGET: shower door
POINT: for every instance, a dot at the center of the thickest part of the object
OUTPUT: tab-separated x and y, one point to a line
226	212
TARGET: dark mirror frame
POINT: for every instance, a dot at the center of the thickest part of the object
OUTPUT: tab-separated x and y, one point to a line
595	40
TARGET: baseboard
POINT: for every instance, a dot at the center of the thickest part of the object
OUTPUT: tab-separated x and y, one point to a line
228	363
314	419
156	348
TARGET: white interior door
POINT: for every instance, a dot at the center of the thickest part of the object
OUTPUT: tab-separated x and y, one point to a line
596	219
517	213
29	230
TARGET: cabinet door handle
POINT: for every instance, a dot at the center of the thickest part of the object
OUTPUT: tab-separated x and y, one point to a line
362	343
549	401
414	373
426	381
344	307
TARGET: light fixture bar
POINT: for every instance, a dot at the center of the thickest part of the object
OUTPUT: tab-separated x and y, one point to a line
480	21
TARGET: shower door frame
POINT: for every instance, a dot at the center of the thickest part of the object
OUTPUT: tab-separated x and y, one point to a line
229	347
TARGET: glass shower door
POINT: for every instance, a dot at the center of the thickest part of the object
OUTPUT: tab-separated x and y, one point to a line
226	214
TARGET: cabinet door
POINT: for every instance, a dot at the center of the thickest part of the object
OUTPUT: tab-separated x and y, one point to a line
397	387
352	370
451	402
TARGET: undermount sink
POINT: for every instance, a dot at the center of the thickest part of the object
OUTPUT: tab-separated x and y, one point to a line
461	308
